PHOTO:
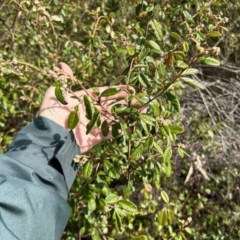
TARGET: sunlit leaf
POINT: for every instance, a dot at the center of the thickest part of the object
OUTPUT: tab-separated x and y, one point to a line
111	198
137	152
157	28
192	82
174	129
214	34
189	71
127	206
164	196
209	61
87	169
155	46
148	119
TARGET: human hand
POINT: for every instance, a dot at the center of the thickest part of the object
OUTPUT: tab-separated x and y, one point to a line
51	108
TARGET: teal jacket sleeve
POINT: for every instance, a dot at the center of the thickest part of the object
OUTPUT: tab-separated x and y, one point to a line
36	174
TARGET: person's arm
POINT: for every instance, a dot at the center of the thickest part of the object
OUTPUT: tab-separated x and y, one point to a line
37	171
35	175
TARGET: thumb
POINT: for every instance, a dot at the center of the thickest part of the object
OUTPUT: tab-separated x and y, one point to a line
65	68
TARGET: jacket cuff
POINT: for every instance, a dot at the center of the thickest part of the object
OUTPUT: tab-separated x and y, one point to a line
50	144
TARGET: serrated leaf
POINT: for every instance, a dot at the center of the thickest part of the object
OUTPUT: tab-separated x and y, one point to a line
110	92
88	107
105	128
214	34
87	170
148	119
144	80
192	82
73	118
59	95
137	152
175	35
165	197
174	129
173	100
127	206
157	28
209	61
111	198
93	121
189	71
155	46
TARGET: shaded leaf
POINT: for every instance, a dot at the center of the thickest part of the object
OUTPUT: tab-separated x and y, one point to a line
173	100
88	107
59	95
73	118
148	119
105	128
162	217
110	92
94	120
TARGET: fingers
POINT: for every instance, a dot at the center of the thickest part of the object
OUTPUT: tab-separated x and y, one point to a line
65	68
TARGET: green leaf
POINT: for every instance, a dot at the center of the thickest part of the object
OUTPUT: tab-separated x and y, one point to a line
144	52
105	128
155	46
214	34
148	119
162	69
157	28
57	18
94	120
185	46
73	118
116	130
174	129
127	206
189	71
162	217
130	51
84	65
111	198
158	148
209	61
173	100
175	35
109	169
117	221
110	92
192	82
92	205
181	64
165	197
137	152
87	169
59	95
88	107
167	154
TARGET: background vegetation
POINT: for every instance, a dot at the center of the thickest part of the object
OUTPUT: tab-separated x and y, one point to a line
160	183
